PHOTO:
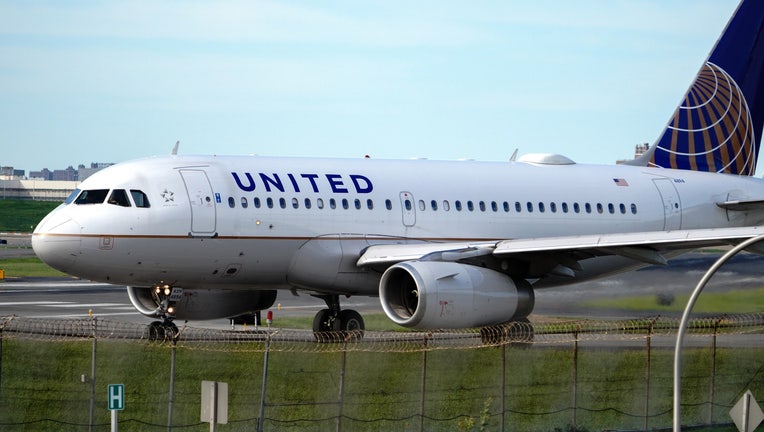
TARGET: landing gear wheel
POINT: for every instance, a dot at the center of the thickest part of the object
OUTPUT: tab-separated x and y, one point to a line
156	331
351	324
160	331
337	327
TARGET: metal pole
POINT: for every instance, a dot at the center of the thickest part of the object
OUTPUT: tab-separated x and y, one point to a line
423	384
575	379
685	318
647	374
172	385
342	385
260	419
503	384
93	377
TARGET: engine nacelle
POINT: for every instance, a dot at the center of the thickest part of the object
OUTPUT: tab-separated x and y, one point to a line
203	304
437	294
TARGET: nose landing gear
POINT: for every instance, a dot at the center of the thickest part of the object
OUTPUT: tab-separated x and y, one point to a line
165	298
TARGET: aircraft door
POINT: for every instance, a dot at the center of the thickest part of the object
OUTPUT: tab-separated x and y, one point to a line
672	206
202	201
408	209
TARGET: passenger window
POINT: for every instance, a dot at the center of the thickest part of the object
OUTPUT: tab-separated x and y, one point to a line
518	207
95	196
231	202
481	204
470	206
553	207
269	202
244	203
345	203
506	207
357	204
388	204
320	203
446	205
564	207
139	198
494	206
458	205
633	208
421	205
332	203
541	207
576	208
295	203
256	202
370	204
530	207
611	208
588	207
622	208
119	197
599	208
282	203
307	203
434	205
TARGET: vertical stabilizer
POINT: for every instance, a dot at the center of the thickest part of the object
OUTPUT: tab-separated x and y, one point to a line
718	125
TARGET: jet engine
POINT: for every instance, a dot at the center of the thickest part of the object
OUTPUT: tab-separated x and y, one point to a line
199	304
437	294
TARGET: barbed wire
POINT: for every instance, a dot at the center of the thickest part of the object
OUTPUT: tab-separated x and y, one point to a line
281	339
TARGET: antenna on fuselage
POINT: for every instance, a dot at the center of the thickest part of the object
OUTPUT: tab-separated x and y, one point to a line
514	155
175	148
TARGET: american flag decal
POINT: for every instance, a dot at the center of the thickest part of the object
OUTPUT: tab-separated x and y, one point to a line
620	182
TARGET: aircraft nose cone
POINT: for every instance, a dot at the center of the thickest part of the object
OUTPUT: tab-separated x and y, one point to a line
56	241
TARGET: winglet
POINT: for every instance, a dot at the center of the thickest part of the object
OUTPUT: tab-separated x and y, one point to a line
175	148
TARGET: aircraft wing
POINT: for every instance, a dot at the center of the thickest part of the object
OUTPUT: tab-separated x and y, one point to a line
647	247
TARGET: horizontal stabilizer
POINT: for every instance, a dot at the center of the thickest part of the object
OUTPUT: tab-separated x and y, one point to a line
742	205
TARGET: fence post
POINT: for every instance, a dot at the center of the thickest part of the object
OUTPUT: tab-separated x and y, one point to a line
503	383
172	382
342	384
650	328
713	371
260	420
94	322
424	381
575	376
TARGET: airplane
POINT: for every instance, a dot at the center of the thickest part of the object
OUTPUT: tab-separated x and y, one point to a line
443	244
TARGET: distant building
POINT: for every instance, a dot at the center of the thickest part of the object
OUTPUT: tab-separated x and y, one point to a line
640	149
83	173
9	173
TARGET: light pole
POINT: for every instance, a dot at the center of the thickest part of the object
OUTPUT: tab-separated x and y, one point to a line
686	316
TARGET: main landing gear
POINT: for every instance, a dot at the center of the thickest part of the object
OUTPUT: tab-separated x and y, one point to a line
335	325
165	330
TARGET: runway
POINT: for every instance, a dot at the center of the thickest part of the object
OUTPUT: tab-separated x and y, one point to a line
73	298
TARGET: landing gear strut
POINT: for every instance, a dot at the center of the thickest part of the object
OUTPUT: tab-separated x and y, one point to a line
164	296
332	323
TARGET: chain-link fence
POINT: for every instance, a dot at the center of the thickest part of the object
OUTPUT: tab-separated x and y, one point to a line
586	375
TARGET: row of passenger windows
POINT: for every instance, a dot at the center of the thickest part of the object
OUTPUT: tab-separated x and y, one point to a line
445	205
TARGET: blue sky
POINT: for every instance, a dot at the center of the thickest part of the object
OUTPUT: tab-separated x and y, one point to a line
95	81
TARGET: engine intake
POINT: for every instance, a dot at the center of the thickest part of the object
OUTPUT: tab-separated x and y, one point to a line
437	294
204	304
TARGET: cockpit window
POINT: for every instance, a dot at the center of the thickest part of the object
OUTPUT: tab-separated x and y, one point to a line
119	197
72	196
140	198
95	196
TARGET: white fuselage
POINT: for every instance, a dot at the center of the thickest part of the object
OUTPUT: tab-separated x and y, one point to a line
234	222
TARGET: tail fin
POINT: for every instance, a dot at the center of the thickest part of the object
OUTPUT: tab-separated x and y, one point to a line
717	127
